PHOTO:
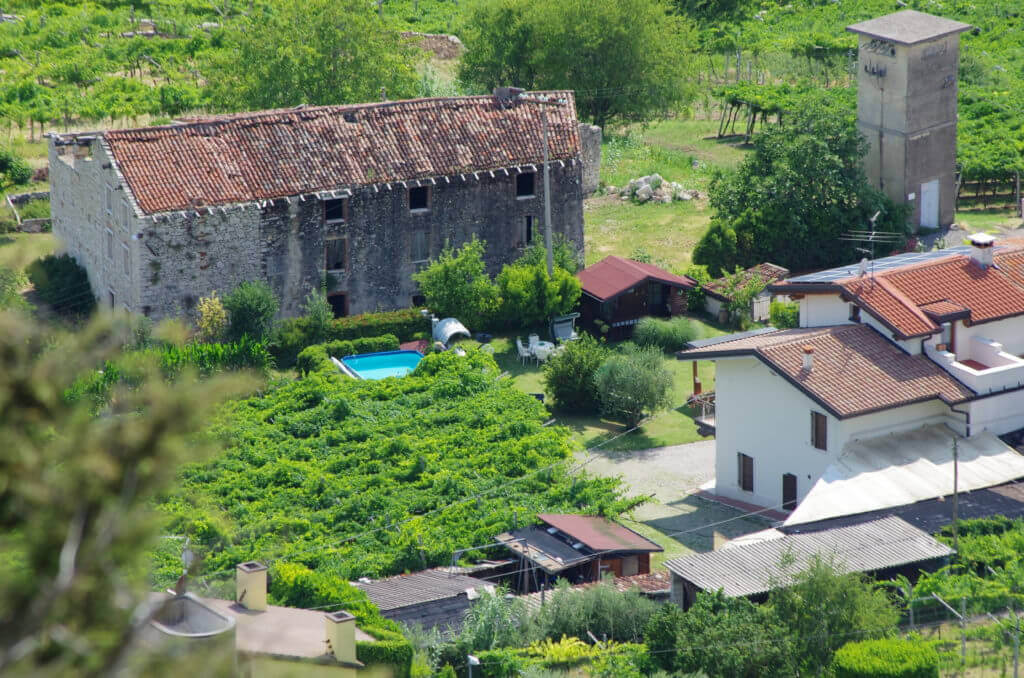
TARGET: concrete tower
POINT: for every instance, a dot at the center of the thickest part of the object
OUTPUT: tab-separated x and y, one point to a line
908	65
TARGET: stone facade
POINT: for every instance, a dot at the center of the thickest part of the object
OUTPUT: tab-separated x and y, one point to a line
161	265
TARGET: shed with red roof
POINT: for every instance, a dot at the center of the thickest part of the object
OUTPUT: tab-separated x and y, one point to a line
617	292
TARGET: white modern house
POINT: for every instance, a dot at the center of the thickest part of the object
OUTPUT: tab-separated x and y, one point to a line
858	408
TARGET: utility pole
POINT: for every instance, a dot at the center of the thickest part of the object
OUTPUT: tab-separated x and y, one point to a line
547	196
956	493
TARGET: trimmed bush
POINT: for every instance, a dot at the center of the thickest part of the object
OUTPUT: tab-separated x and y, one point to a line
317	357
668	335
569	375
633	383
785	314
62	284
251	309
293	335
909	657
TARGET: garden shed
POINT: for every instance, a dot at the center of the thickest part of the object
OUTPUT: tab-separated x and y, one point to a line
431	598
577	548
883	547
617	292
717	297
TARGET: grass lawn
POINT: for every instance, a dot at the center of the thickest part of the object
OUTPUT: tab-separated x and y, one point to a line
985	219
671	427
679	150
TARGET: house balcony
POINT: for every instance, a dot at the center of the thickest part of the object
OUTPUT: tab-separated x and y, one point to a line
984	367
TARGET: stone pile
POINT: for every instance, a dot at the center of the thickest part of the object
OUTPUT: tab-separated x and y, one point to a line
653	188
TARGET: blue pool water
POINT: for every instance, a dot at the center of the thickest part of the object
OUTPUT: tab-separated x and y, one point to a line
383	365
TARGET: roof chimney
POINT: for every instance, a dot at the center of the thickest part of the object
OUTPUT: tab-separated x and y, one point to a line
251	585
808	357
341	635
981	249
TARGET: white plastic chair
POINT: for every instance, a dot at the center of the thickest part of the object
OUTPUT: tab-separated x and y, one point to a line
524	353
533	338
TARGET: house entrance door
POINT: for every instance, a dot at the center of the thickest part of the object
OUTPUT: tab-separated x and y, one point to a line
788	491
930	204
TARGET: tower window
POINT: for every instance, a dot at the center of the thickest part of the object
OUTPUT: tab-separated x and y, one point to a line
419	198
525	184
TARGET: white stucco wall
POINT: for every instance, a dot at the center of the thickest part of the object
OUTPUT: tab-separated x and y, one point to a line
817	310
765	417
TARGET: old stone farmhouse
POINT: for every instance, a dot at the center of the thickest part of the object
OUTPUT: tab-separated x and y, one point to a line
361	196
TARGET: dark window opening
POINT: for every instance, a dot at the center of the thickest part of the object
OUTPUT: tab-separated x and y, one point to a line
339	304
336	211
111	295
524	185
419	198
190	301
336	253
529	230
420	249
146	310
745	472
788	491
854	313
419	300
819	430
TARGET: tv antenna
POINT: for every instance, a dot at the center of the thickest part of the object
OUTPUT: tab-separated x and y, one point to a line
869	238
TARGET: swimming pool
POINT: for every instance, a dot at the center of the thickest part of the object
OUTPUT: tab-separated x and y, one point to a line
383	365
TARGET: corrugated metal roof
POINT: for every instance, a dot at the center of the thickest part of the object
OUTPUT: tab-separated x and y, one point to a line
903	468
597	533
613	276
419	587
549	553
753	568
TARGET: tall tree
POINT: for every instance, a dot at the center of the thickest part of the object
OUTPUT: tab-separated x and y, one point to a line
791	199
310	52
75	497
627	60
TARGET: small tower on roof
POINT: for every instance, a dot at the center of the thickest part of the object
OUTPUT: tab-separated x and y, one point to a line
908	66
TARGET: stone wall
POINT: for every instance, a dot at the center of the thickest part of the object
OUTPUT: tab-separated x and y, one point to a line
590	148
176	258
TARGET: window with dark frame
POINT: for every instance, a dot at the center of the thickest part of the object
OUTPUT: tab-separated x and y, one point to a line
528	222
419	198
336	252
420	249
819	430
745	472
127	255
335	211
339	304
854	313
525	184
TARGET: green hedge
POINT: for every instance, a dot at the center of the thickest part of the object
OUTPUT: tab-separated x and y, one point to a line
397	653
785	315
318	357
295	334
909	657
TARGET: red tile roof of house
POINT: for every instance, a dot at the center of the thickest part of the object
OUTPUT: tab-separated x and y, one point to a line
854	370
598	534
613	276
767	273
237	158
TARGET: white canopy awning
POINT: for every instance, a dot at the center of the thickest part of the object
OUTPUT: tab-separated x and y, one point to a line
903	468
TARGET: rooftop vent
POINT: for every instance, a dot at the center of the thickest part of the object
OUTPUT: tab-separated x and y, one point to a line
578	545
981	248
349	116
808	357
552	530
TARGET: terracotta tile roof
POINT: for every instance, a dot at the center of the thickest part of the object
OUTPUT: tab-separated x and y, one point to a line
855	369
613	276
597	533
229	159
768	273
899	296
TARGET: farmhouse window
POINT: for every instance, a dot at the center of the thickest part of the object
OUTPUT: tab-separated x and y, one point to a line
127	258
745	472
525	184
110	244
419	199
335	211
529	223
108	200
819	430
420	250
336	253
339	304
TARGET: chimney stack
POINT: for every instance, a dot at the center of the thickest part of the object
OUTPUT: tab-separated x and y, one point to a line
981	249
808	357
341	634
251	585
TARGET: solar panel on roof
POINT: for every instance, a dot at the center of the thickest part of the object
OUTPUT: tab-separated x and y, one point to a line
879	265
